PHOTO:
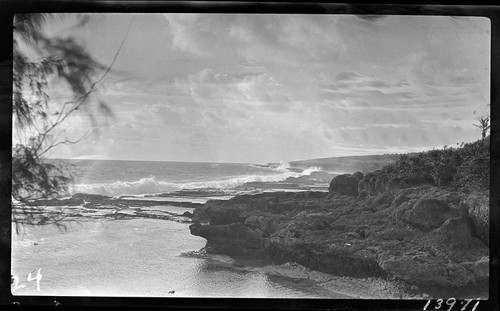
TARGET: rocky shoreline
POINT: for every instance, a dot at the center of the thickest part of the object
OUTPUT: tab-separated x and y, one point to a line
408	232
82	207
431	239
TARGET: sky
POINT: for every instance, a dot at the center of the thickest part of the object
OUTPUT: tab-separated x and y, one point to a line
268	88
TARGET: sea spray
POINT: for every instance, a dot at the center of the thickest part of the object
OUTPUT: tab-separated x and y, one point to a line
145	185
150	185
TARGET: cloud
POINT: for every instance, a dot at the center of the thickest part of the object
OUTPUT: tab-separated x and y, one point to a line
228	86
392	125
257	38
190	33
378	84
231	95
275	107
215	119
350	82
347	76
434	73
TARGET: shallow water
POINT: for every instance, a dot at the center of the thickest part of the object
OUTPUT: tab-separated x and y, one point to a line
138	258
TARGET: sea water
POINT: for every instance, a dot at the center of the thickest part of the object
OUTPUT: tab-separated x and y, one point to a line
115	178
143	257
133	258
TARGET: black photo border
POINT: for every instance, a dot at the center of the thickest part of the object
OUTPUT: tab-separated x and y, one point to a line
10	7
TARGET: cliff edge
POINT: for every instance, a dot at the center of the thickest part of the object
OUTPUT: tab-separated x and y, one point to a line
379	224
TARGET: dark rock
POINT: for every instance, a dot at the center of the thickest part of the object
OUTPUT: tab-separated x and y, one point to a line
373	182
395	233
477	207
354	234
480	268
267	224
379	182
382	201
219	214
58	202
398	183
90	197
416	234
200	214
362	233
429	213
358	176
233	239
339	261
399	200
363	194
426	271
344	185
457	232
310	195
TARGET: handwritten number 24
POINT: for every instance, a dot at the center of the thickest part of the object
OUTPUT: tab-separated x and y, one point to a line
30	278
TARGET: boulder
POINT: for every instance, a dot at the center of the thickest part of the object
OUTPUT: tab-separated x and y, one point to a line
344	184
429	213
457	232
358	176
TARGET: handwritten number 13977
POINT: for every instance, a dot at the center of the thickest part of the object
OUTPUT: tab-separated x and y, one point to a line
451	302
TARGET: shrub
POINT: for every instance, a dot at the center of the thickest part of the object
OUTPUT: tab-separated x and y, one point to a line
464	167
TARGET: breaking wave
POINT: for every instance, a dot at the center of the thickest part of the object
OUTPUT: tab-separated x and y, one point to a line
150	185
283	166
142	186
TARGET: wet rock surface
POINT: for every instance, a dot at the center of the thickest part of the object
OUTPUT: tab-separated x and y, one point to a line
82	207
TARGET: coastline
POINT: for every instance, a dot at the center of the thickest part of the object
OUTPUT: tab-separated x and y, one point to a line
68	255
333	241
106	210
418	237
407	229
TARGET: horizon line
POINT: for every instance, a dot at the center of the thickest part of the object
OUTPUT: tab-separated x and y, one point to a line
253	162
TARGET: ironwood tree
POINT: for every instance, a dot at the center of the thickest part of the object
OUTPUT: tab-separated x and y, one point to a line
39	60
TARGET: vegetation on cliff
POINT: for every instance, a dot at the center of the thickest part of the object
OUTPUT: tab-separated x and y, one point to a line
465	168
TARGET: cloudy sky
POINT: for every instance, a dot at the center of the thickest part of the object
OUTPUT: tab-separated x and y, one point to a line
266	88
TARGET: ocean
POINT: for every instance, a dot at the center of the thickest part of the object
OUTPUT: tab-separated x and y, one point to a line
144	257
119	178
